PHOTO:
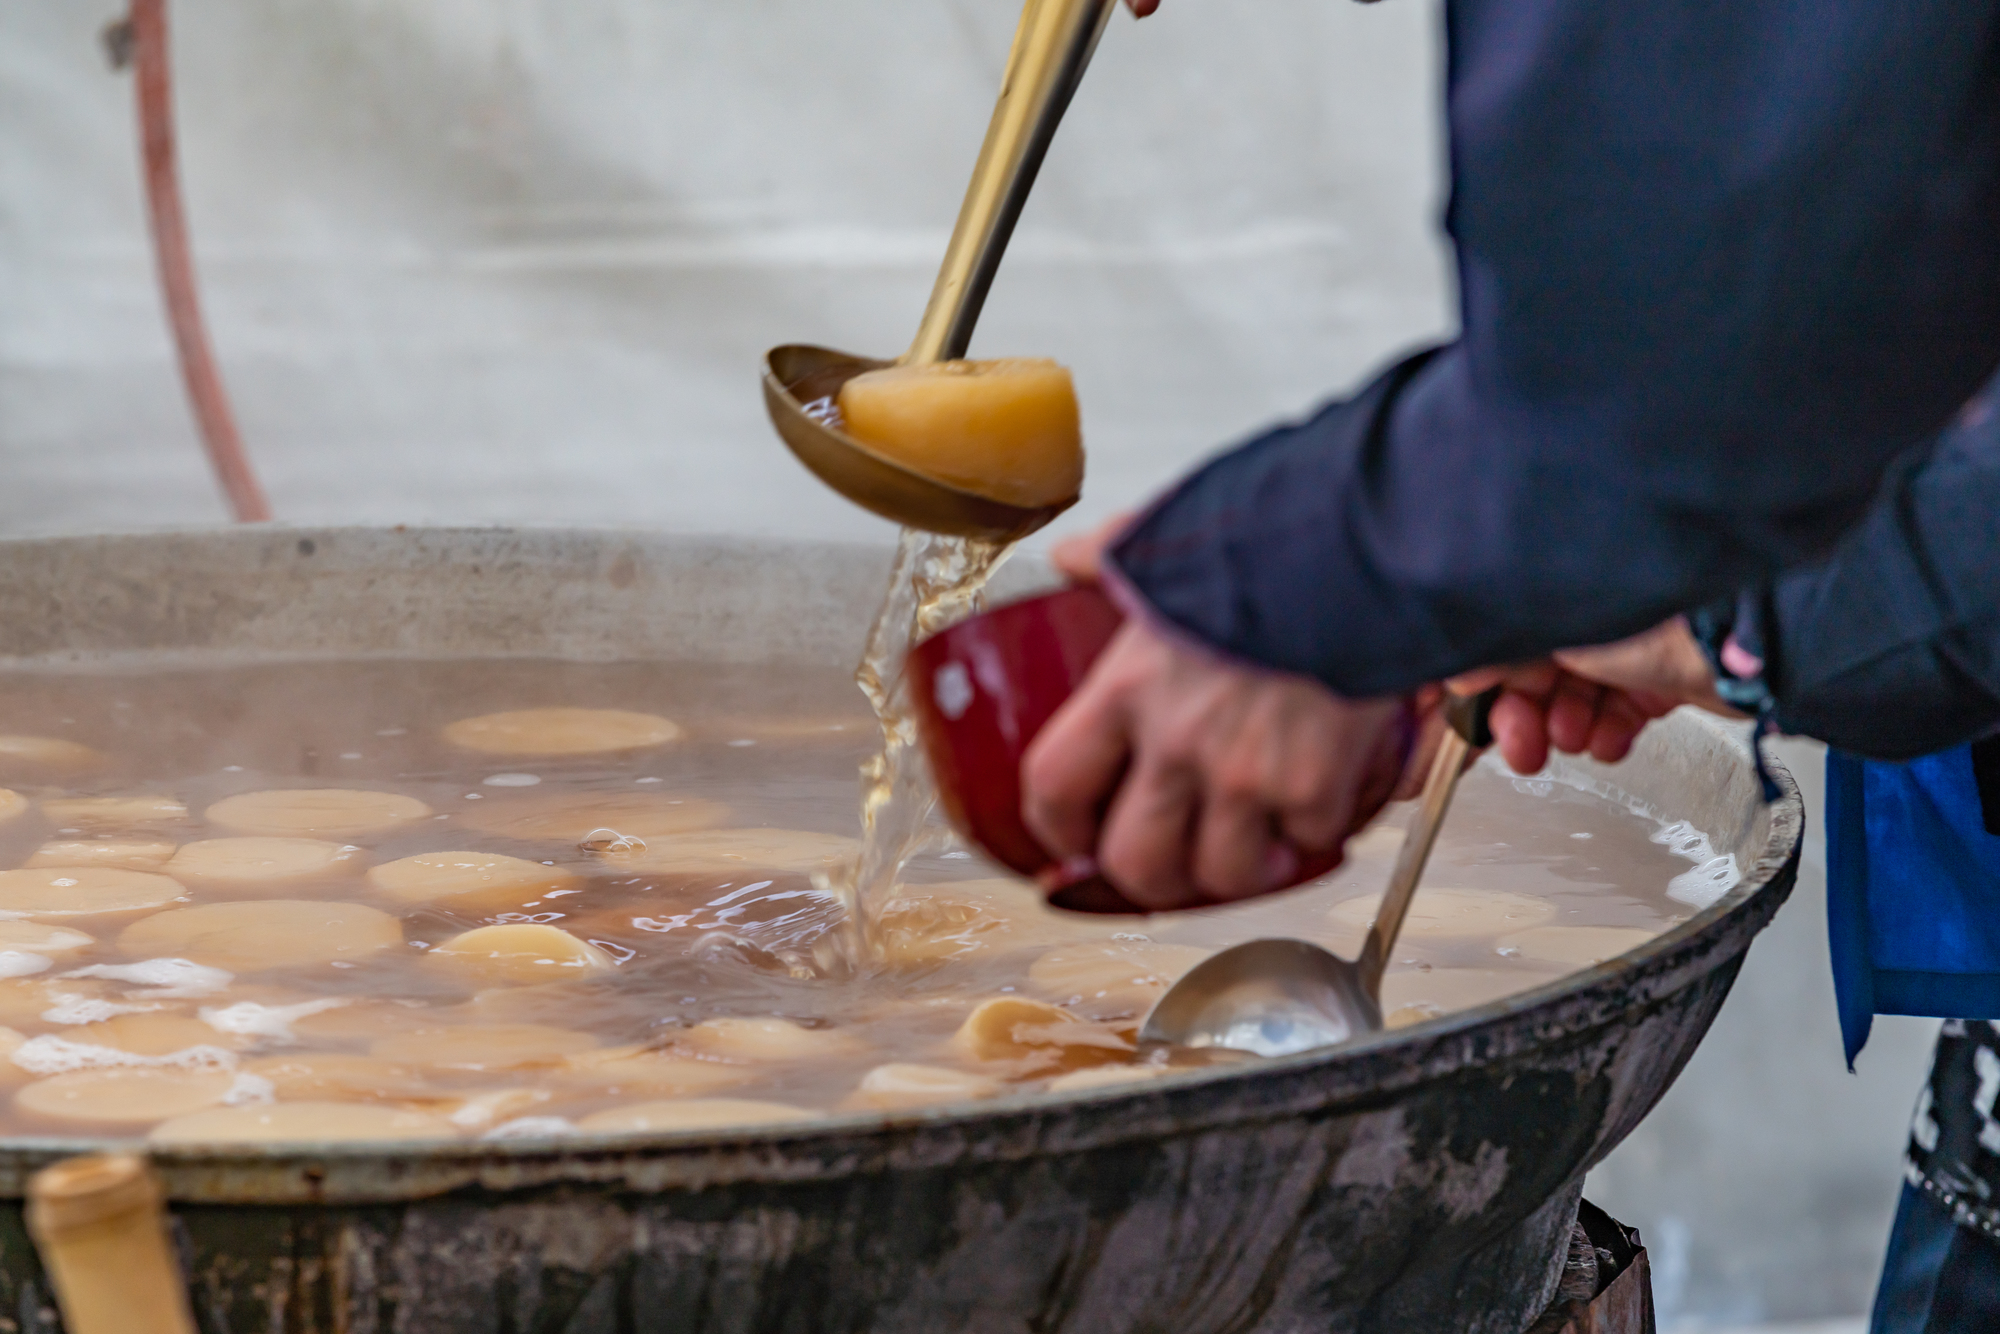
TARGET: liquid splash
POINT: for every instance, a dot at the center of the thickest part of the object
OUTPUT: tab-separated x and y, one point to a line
935	582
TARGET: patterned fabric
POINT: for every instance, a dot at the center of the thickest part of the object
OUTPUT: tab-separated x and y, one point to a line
1954	1153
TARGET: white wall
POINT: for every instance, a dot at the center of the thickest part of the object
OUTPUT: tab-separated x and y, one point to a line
518	259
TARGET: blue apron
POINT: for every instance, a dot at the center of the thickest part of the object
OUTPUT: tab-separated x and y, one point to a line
1913	886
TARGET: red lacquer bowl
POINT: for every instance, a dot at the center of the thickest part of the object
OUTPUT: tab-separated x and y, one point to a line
983	688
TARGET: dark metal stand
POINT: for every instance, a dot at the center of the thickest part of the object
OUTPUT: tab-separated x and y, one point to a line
1607	1285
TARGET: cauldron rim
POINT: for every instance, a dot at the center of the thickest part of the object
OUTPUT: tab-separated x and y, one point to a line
1009	1128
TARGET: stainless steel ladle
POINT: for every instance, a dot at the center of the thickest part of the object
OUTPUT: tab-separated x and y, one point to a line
1276	997
1052	47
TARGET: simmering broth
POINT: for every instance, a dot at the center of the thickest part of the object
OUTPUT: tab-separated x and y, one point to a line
307	971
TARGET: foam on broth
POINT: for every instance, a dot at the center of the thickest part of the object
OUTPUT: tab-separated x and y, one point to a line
704	983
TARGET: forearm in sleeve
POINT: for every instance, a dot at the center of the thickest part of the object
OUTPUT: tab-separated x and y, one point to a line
1719	266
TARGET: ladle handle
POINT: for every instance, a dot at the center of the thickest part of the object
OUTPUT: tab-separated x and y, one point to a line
1052	47
1468	732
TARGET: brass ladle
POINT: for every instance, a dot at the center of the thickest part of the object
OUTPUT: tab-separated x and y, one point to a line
1052	46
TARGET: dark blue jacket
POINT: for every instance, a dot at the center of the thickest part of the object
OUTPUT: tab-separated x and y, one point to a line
1721	264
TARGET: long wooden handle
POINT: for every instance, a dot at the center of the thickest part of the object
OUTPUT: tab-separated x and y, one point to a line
1052	47
99	1224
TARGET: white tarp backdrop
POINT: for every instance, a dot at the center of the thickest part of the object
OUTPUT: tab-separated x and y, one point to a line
517	260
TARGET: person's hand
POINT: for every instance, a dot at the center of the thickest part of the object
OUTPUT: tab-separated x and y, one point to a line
1594	700
1192	780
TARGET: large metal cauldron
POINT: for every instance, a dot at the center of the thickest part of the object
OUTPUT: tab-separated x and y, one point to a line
1421	1182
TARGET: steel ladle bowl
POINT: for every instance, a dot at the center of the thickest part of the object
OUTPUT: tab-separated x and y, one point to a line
1052	47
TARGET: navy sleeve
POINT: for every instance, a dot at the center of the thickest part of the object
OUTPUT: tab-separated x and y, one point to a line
1720	263
1891	649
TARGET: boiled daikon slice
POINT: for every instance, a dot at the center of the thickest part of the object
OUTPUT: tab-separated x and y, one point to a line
643	1072
692	1114
327	812
46	753
476	881
754	1039
302	1122
561	731
516	952
112	813
41	938
902	1084
154	1033
1036	1036
339	1076
1006	428
124	1097
1443	913
263	864
84	891
483	1046
1105	1076
263	933
129	854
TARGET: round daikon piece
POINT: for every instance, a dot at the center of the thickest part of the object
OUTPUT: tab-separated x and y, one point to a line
263	933
1105	1076
477	881
1571	946
722	851
1036	1037
46	753
41	938
904	1085
112	813
24	1000
1429	993
152	1034
363	1021
561	732
929	924
327	812
516	952
12	805
1452	913
1006	428
640	1072
123	1097
745	1039
84	891
483	1046
571	818
478	1110
260	864
691	1114
1111	978
339	1077
301	1122
129	854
